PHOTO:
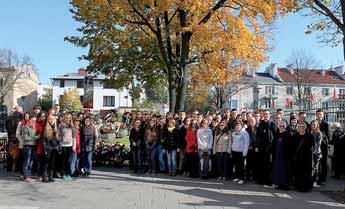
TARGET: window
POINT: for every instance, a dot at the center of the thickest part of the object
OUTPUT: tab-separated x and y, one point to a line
325	92
289	90
108	101
80	84
341	93
233	104
269	103
270	90
62	83
324	105
307	90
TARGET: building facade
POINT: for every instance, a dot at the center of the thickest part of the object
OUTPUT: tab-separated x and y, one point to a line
93	91
24	89
288	88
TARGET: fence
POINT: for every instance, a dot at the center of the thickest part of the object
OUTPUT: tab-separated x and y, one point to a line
334	111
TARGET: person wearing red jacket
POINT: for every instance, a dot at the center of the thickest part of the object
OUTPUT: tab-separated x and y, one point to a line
76	153
191	147
40	152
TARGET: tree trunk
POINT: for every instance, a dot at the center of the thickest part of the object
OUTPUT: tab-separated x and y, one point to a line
172	94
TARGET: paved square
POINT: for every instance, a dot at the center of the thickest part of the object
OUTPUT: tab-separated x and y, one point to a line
117	188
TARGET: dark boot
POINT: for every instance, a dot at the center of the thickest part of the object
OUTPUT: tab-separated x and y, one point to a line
51	177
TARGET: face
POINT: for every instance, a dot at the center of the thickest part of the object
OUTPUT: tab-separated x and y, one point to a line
152	122
210	119
187	122
233	114
227	112
319	115
137	123
266	115
87	121
244	116
313	125
238	127
32	121
43	117
77	123
301	129
219	118
302	117
214	123
26	117
204	124
57	108
279	118
252	122
182	115
37	110
294	122
139	115
281	126
222	125
171	124
68	118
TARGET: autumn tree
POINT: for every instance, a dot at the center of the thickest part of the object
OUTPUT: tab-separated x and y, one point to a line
46	100
329	16
70	101
176	34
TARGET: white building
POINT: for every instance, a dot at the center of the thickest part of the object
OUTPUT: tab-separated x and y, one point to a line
277	88
102	96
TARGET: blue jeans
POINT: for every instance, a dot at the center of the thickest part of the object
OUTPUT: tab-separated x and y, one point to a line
74	162
161	157
29	155
88	161
171	155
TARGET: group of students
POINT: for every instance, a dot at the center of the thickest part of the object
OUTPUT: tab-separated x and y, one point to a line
246	146
50	144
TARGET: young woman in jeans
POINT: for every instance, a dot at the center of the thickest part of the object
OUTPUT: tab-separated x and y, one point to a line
171	145
68	144
205	143
239	150
76	153
88	137
191	147
51	144
151	138
222	149
29	136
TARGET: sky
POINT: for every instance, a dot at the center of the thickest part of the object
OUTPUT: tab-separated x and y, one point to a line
37	28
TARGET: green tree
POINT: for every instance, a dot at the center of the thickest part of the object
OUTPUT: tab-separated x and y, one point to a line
46	100
70	101
329	16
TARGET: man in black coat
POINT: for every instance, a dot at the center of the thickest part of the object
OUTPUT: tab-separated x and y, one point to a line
264	137
324	128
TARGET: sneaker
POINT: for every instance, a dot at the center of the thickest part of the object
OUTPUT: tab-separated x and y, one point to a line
240	182
235	180
28	180
219	178
65	178
69	177
315	185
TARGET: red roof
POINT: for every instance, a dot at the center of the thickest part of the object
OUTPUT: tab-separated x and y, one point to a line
312	76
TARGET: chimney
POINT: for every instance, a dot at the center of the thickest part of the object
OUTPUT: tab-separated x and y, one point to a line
340	70
290	68
272	69
323	72
82	71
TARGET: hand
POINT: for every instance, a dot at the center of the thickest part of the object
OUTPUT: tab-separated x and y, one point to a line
134	144
178	150
256	149
74	149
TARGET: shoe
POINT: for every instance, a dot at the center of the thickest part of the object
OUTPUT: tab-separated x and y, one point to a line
28	180
240	182
235	180
219	178
315	185
45	179
65	178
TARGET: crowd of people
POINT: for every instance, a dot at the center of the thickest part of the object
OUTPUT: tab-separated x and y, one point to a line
50	144
238	146
245	146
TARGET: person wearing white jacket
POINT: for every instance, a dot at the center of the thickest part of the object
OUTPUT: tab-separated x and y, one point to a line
239	150
205	144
